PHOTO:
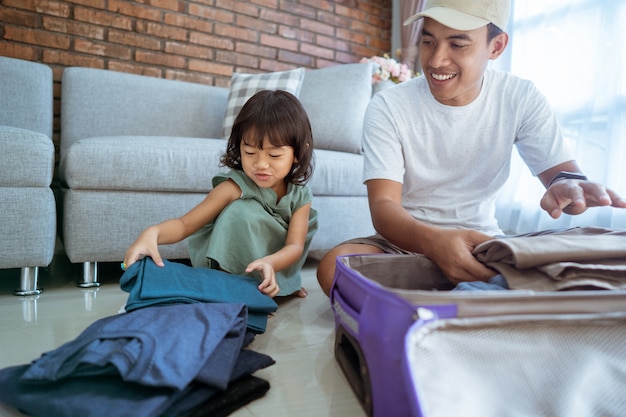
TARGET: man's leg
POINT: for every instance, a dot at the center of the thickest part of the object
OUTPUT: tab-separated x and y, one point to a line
326	267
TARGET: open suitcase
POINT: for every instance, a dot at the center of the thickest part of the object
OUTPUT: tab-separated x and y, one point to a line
408	347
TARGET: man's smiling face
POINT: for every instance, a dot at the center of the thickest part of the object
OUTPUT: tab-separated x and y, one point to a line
454	61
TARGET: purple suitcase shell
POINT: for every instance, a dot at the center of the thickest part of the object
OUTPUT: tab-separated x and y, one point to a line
374	315
371	327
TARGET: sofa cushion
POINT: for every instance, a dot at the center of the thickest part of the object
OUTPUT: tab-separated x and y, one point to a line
109	103
335	98
244	86
337	174
26	158
142	163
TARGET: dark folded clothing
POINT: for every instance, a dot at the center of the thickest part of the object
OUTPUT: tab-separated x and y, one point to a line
105	395
156	361
161	346
238	394
110	396
201	400
149	285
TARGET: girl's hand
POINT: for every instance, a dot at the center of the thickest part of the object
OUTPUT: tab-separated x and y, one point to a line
145	245
268	283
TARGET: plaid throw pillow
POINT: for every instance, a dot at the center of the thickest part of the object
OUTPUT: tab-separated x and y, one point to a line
244	86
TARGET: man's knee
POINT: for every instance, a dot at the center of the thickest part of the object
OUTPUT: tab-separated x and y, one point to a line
326	267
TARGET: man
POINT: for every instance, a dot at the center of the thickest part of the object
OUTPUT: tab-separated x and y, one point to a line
438	148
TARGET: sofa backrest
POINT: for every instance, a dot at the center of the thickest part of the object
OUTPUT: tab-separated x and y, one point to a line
335	98
26	95
97	102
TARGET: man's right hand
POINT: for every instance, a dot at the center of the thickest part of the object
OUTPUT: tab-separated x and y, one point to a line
451	250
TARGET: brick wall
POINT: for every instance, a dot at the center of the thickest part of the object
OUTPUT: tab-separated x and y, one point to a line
202	41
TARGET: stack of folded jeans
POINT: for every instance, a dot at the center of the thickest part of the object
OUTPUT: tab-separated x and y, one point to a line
173	353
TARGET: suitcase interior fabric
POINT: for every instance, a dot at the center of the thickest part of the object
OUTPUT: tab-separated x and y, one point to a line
398	331
542	365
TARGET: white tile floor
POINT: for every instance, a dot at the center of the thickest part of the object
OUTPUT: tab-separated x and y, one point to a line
305	381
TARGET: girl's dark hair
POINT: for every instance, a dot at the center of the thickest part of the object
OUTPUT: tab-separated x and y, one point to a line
279	116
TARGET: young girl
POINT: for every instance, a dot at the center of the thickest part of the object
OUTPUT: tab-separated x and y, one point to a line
258	216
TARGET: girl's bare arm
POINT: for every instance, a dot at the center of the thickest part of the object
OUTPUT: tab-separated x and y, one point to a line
175	230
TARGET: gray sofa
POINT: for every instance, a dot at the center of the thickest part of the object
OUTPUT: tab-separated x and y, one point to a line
27	203
136	150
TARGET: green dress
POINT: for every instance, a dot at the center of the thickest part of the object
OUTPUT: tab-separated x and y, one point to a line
250	228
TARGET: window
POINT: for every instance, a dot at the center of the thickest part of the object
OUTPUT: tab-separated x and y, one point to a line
574	51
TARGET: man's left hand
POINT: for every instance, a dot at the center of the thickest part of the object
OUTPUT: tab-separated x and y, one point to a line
576	196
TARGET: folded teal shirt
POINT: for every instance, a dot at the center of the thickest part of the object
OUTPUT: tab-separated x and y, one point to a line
149	284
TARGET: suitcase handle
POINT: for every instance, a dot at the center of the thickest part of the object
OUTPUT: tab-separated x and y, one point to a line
352	363
345	314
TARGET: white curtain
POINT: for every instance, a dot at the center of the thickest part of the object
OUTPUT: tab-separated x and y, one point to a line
410	34
575	52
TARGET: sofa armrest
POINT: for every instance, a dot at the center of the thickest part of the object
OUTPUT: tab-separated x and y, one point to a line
26	95
26	158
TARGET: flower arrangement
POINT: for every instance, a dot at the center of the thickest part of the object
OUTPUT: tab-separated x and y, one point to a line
388	69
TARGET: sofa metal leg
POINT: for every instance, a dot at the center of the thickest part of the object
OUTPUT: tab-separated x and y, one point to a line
29	309
28	282
90	275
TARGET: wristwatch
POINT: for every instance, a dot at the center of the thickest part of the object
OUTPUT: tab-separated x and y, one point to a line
564	175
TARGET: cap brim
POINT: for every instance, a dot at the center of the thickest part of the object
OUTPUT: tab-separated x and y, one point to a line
451	18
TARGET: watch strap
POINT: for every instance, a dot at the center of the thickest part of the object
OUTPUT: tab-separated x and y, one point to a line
565	175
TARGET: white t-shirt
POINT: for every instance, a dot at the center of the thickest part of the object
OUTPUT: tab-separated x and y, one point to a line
453	160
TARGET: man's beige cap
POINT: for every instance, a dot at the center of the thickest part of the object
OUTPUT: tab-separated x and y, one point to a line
465	14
